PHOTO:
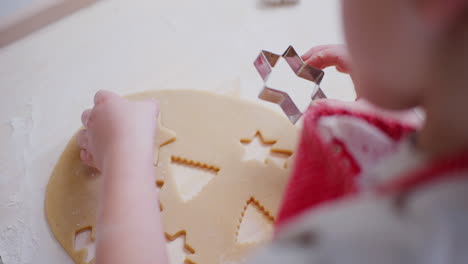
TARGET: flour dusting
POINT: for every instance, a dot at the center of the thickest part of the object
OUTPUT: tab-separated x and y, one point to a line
18	240
15	248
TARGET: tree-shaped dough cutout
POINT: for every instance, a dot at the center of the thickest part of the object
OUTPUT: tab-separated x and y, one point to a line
256	224
191	176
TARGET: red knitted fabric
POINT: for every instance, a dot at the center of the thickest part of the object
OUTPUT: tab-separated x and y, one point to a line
321	173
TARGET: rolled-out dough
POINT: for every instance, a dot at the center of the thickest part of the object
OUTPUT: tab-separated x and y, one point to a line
201	131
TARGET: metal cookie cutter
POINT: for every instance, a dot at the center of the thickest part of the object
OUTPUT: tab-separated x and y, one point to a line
265	63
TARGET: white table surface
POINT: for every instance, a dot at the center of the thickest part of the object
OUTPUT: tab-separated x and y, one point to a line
50	76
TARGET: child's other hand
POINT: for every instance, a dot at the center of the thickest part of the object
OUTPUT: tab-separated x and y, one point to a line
325	56
116	125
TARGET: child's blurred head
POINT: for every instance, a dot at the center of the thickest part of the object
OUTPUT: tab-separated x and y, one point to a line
400	48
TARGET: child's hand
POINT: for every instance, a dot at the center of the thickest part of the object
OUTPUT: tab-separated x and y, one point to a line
118	140
116	125
325	56
337	55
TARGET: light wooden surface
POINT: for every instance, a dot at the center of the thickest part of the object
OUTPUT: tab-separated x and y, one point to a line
48	77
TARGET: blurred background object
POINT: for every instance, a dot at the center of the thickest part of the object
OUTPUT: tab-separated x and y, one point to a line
279	2
19	18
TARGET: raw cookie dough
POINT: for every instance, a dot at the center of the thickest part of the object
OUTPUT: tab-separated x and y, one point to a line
200	131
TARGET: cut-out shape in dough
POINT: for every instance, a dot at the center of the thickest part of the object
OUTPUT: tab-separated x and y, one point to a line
164	137
177	249
279	158
159	185
258	148
191	176
256	224
83	241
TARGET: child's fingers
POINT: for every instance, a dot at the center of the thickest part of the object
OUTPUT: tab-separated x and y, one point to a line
314	51
330	57
82	139
85	117
85	156
103	95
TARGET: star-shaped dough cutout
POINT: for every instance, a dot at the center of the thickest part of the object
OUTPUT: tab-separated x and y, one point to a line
178	249
164	136
258	148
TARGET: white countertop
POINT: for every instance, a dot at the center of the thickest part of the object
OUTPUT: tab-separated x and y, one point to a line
49	77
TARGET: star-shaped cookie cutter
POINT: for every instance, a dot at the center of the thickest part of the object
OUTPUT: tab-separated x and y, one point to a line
265	63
